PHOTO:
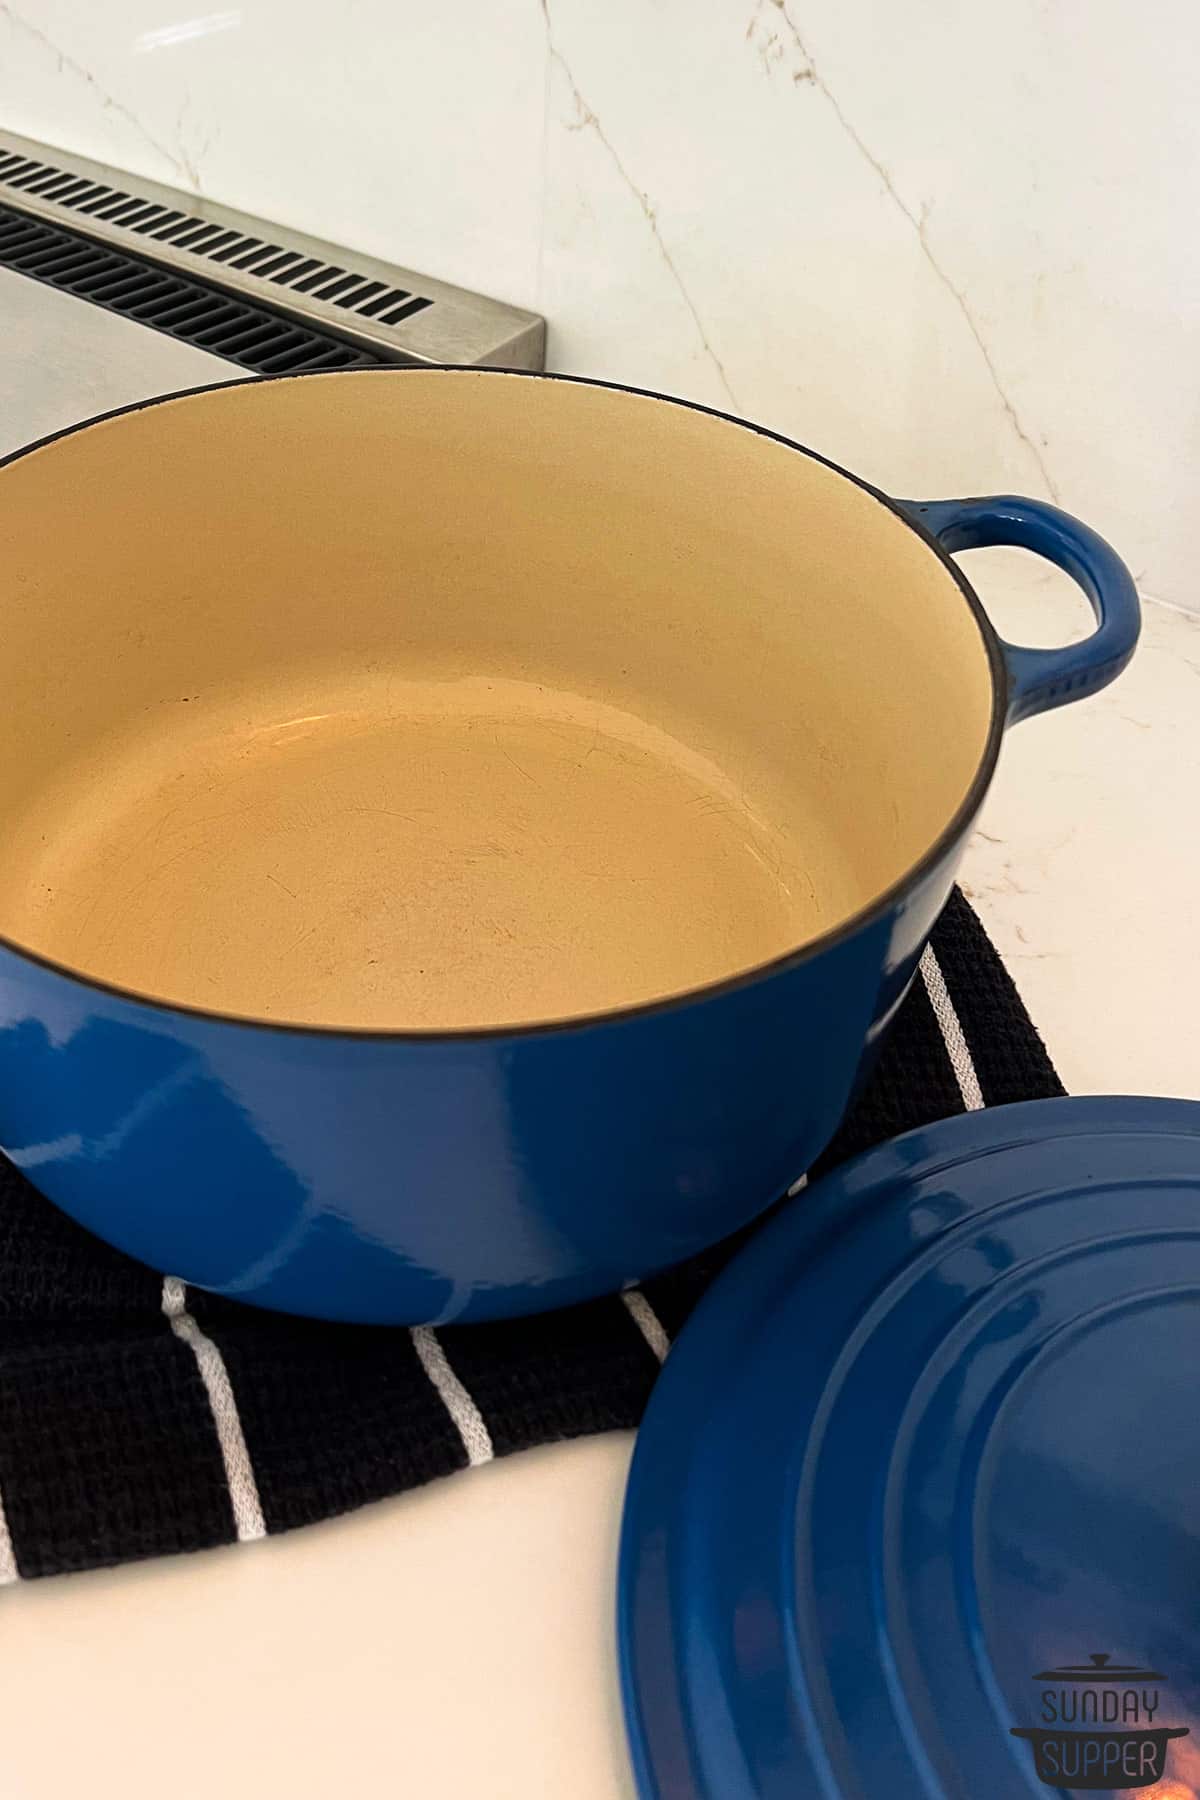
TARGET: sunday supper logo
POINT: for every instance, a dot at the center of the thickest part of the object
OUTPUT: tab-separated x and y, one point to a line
1101	1726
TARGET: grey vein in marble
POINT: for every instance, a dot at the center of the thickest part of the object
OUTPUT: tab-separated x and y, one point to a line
586	120
811	75
190	157
180	163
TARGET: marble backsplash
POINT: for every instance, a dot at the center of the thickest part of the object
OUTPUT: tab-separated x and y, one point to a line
952	246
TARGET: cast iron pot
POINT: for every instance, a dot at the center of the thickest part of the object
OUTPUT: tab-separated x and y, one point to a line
465	831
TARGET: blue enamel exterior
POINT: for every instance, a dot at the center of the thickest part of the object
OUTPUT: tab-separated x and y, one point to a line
396	1178
932	1433
408	1180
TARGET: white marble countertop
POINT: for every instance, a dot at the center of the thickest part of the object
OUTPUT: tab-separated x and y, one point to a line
459	1641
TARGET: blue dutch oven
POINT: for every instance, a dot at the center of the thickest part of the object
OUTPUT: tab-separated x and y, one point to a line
465	833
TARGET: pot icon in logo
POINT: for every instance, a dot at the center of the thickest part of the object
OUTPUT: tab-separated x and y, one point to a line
1100	1726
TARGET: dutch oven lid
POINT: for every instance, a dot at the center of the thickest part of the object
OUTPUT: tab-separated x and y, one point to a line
931	1436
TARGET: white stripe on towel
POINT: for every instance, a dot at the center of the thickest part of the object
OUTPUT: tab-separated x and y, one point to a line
647	1322
952	1032
8	1562
239	1470
469	1421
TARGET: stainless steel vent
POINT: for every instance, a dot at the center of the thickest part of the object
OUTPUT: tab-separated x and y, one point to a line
196	312
361	299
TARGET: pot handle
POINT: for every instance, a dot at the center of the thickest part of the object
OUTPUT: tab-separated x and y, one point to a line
1041	679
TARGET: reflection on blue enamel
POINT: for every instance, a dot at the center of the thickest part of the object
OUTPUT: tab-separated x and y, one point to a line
406	1180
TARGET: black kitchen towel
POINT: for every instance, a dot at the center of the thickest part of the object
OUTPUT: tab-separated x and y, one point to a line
138	1416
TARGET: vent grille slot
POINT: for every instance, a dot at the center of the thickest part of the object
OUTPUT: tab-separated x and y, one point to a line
345	297
242	332
196	234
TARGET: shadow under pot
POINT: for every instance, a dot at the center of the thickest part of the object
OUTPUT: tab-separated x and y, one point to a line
465	830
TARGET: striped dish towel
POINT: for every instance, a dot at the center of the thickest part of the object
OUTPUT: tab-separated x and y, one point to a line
140	1417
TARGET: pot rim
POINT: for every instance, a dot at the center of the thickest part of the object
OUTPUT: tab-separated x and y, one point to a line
885	902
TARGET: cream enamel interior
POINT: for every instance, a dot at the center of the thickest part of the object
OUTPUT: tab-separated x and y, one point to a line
422	700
